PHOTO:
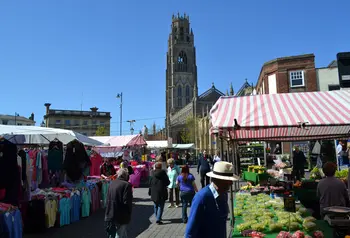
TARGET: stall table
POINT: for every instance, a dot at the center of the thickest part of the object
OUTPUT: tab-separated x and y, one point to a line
321	226
255	177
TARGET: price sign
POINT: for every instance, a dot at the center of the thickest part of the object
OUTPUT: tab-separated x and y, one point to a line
289	204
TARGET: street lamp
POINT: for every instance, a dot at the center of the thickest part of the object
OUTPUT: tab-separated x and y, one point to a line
120	95
16	115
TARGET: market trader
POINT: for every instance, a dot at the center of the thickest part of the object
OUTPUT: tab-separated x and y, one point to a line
299	161
107	169
330	190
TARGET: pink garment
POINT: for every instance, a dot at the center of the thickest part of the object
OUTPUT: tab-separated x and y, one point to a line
96	161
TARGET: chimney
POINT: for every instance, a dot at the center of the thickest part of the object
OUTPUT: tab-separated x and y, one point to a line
47	105
31	116
94	109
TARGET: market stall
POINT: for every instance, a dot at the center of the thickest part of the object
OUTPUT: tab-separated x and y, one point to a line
282	117
22	135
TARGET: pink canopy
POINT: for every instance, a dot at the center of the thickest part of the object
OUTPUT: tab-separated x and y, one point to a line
283	117
121	141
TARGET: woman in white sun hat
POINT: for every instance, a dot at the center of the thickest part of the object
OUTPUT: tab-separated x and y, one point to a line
209	211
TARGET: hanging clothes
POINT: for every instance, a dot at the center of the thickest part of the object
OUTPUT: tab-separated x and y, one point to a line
9	173
96	162
76	160
55	156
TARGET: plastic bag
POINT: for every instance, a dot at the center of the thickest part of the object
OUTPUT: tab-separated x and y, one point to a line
309	219
309	226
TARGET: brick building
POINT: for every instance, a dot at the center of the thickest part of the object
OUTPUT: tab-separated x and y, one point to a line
288	75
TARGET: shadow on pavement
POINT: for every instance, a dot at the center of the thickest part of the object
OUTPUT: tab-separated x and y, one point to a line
140	220
172	221
94	225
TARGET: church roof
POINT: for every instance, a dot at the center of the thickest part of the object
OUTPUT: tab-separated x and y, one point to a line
210	91
241	91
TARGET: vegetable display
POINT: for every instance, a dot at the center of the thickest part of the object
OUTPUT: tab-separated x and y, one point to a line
260	213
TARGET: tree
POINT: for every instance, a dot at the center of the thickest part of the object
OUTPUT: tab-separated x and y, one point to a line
101	131
188	132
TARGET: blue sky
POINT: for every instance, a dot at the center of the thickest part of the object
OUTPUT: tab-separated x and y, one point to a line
71	51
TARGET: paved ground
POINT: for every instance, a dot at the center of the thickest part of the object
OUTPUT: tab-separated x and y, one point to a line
142	224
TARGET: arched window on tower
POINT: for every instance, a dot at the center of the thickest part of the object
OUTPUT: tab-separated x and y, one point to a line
187	94
182	62
179	96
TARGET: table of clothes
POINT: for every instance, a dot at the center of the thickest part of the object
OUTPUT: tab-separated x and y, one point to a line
140	172
60	206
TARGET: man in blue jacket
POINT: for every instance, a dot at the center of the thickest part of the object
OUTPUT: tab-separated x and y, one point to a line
209	210
204	168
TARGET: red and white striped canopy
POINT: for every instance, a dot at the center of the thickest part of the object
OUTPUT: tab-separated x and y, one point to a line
283	117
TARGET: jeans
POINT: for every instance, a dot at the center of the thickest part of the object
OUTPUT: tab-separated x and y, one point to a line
186	199
171	196
158	210
204	177
116	231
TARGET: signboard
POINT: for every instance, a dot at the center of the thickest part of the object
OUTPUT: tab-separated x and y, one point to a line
343	61
289	204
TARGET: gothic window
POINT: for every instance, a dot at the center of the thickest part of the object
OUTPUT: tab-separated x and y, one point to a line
179	96
182	62
187	94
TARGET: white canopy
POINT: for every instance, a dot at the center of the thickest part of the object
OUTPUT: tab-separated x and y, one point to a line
183	146
157	144
42	135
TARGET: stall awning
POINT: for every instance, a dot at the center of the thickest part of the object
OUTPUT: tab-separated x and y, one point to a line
157	144
183	146
283	117
121	141
42	135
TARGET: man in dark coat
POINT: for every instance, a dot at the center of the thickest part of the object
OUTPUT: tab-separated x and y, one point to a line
158	191
119	205
204	168
299	161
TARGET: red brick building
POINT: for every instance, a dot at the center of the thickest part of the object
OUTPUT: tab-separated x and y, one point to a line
288	75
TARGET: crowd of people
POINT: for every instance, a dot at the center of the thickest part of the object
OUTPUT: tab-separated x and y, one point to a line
176	184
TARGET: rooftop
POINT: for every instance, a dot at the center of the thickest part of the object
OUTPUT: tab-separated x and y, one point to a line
13	117
289	58
78	113
210	91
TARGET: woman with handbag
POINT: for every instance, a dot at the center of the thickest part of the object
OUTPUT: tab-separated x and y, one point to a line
186	182
158	191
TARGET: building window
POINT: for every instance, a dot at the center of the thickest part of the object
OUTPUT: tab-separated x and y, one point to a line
187	94
297	78
102	123
76	122
58	122
85	123
19	124
332	87
179	96
67	122
94	122
182	62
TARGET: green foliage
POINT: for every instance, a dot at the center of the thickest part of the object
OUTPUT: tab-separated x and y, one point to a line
188	132
101	131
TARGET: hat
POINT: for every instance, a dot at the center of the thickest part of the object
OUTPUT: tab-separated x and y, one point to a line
222	170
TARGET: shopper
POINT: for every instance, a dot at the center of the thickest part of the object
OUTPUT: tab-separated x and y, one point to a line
186	182
330	190
203	168
158	191
216	157
118	205
173	172
209	211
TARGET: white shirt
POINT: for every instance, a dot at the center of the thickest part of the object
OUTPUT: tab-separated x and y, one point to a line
339	149
217	158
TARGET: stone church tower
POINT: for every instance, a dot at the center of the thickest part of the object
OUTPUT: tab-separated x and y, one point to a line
181	72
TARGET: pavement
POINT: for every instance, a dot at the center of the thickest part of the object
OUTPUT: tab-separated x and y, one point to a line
142	223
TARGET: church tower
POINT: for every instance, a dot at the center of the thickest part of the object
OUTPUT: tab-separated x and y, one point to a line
181	72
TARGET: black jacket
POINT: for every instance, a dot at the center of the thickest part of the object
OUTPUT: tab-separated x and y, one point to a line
204	164
158	189
119	202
